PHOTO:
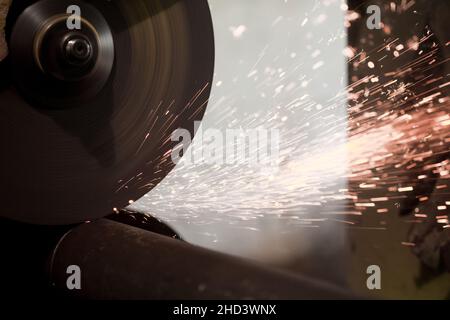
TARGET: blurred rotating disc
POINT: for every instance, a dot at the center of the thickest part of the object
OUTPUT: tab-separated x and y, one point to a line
86	115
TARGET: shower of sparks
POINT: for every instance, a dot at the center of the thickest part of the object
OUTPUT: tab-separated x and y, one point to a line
390	151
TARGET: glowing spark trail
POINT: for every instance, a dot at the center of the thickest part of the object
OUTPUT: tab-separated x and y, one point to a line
390	150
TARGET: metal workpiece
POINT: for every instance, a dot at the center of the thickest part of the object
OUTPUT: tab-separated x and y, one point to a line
117	261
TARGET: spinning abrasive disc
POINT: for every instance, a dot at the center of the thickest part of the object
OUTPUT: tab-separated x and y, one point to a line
86	115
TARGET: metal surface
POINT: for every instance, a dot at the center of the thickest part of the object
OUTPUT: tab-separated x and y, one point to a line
122	262
44	75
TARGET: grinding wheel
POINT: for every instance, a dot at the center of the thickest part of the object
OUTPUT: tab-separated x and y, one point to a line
83	135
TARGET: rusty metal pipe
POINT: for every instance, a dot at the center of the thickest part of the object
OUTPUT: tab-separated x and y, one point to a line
118	261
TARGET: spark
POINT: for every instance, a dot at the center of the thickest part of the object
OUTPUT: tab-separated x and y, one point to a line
390	148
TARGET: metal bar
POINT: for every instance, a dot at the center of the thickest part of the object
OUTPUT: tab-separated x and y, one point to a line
118	261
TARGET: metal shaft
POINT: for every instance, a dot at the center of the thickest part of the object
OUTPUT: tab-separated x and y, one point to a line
122	262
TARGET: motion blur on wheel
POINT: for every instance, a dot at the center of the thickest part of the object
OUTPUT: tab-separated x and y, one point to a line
224	150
